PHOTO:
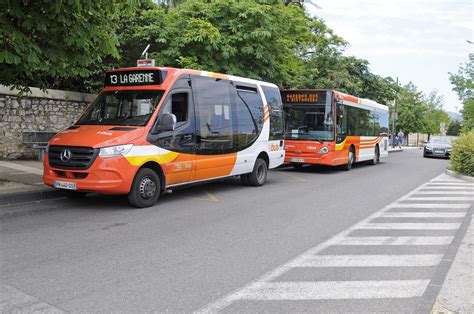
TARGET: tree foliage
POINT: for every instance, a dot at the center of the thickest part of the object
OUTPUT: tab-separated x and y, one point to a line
463	85
435	114
43	41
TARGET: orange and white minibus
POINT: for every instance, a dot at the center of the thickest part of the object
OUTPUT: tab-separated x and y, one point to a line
327	127
152	129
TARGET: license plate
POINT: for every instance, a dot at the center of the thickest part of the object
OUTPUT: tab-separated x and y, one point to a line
65	185
297	159
439	151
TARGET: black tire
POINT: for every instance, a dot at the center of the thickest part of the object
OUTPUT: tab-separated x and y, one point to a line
73	194
259	174
298	166
350	160
244	179
376	158
145	189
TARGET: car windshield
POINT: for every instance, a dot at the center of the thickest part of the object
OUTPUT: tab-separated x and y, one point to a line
310	122
132	108
440	141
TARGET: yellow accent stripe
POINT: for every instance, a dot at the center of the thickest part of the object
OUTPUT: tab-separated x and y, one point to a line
140	160
340	146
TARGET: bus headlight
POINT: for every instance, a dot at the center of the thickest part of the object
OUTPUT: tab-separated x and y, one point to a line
115	151
323	150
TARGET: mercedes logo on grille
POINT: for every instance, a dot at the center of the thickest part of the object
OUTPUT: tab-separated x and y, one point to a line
65	155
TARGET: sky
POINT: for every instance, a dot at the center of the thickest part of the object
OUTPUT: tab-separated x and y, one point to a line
414	40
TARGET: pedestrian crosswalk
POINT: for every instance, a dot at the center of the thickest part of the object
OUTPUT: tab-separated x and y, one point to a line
391	255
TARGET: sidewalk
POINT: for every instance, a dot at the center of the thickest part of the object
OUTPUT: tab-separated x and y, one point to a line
398	149
457	293
21	181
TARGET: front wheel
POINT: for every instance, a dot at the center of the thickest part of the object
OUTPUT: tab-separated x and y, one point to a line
350	160
259	174
145	189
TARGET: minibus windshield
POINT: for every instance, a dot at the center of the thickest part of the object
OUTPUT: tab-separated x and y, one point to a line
309	122
132	108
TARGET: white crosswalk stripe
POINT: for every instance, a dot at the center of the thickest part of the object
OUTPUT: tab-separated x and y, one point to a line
412	225
424	205
427	208
327	290
369	261
443	198
424	215
396	241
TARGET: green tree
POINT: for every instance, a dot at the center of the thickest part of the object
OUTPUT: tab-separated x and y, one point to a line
411	110
434	114
45	41
463	85
454	128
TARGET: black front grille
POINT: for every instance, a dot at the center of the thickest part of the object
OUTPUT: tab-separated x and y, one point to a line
81	158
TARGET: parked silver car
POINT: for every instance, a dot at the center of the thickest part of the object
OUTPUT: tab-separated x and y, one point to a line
437	147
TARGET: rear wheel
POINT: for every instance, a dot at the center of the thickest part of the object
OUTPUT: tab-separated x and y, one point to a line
145	189
350	160
259	174
73	194
376	159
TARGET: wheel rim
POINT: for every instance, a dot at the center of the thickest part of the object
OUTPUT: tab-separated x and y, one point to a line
351	158
260	173
147	188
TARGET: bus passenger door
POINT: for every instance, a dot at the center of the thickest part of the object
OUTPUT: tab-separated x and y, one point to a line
179	164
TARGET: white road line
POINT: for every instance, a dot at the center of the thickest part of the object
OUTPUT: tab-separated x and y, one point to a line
228	299
445	192
425	214
421	260
424	205
443	198
467	188
412	226
396	241
333	290
449	184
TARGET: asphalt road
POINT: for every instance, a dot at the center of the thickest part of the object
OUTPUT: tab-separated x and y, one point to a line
200	244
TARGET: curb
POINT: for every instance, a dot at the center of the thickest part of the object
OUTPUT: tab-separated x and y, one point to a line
456	175
395	151
22	197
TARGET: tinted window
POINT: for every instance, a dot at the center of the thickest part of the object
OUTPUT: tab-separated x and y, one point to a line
254	103
360	122
179	106
225	122
275	108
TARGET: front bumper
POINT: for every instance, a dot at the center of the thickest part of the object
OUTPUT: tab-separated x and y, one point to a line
105	176
314	159
433	153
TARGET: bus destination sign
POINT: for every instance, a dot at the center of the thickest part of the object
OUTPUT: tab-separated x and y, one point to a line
303	97
132	78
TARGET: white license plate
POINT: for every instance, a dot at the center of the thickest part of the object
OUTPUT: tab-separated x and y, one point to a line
297	159
65	185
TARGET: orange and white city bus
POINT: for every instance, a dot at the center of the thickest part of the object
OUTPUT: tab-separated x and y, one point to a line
152	129
327	127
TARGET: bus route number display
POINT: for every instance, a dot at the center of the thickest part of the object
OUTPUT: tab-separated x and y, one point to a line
300	97
130	78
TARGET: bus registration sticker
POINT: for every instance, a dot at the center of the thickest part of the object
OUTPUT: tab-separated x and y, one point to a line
65	185
297	159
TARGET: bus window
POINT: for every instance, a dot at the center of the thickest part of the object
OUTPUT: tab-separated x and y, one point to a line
275	107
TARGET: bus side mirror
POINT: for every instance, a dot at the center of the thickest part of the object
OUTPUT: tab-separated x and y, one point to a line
166	122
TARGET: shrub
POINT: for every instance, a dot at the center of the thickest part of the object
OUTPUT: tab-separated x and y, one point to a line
462	154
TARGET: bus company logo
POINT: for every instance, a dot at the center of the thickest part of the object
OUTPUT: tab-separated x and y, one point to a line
311	147
274	147
65	155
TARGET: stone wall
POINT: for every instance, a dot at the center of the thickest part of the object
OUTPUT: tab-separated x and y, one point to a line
52	110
